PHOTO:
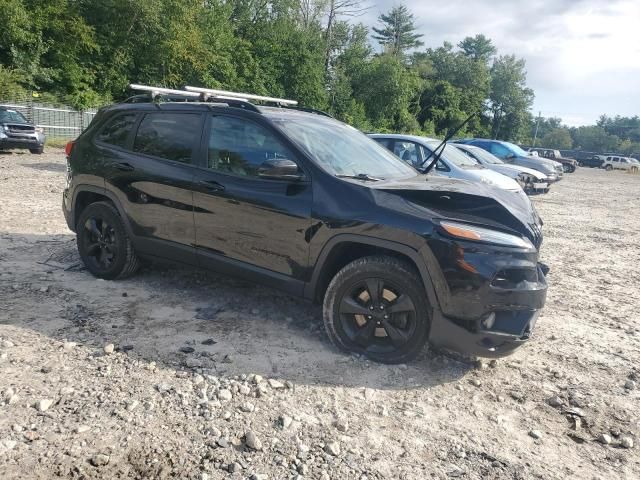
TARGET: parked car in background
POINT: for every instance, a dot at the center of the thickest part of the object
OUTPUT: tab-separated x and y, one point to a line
529	179
452	162
569	165
514	155
593	161
302	202
17	133
615	162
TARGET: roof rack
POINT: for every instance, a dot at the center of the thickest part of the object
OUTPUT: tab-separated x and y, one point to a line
236	95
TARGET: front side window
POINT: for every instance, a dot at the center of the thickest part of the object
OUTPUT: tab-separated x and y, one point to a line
407	151
171	136
240	147
452	155
116	131
340	149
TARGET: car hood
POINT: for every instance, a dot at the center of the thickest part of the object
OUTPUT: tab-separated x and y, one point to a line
534	162
494	179
514	170
461	200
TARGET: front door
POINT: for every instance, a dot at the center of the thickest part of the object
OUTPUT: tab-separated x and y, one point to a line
153	178
241	217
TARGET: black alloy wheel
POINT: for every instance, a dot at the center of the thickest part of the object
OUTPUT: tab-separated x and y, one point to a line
101	247
377	306
103	243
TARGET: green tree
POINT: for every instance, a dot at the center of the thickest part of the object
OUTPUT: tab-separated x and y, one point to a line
594	139
397	31
510	99
478	48
559	138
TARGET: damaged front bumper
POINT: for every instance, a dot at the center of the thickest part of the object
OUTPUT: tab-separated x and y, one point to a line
490	299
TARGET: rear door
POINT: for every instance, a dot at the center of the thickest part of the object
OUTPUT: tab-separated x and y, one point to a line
241	218
152	176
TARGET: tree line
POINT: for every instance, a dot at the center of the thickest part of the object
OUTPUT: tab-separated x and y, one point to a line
316	51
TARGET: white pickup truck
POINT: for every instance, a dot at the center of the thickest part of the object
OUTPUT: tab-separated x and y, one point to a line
620	163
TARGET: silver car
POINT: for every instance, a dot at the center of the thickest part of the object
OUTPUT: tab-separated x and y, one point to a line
529	179
452	162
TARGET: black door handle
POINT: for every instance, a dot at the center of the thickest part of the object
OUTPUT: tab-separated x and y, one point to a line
212	186
124	166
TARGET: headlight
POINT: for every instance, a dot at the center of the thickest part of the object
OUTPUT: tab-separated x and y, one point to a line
39	130
525	178
485	235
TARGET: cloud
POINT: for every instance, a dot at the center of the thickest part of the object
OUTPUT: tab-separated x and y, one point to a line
582	55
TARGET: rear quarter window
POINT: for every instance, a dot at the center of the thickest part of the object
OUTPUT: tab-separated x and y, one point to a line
116	131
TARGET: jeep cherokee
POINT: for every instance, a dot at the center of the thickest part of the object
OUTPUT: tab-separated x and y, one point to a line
296	200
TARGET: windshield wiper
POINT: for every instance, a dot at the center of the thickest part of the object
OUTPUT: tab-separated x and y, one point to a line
360	176
436	152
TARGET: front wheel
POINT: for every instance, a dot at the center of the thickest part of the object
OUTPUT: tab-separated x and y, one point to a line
377	306
37	151
608	168
103	243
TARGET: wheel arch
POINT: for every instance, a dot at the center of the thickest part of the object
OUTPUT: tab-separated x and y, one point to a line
345	248
85	195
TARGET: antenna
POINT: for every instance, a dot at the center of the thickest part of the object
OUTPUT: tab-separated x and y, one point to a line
239	96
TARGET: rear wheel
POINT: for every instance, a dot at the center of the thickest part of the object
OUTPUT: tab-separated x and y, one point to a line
377	307
608	168
566	168
37	151
103	243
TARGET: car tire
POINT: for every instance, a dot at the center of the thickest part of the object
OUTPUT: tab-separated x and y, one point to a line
608	168
377	307
103	243
37	151
566	168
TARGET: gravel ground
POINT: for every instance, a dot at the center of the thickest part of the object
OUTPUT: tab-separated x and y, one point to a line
185	374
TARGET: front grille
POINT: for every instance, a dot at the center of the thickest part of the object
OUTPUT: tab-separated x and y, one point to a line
537	235
21	128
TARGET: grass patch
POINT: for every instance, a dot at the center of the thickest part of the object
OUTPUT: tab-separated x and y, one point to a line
56	142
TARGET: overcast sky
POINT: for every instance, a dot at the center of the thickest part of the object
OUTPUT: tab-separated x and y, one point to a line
583	56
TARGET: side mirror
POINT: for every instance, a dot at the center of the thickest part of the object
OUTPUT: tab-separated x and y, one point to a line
280	169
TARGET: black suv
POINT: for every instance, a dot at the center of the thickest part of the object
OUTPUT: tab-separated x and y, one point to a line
299	201
17	132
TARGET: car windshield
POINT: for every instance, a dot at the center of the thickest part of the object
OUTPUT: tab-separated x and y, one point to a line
341	149
11	116
515	149
453	155
485	156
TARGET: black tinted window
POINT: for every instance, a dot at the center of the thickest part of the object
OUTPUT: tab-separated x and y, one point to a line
115	132
240	147
168	135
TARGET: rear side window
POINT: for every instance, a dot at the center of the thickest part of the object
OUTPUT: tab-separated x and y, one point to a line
499	150
116	131
171	136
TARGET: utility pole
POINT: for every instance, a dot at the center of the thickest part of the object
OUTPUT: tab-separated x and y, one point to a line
535	135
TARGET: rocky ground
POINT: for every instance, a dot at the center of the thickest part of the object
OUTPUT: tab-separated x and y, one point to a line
184	374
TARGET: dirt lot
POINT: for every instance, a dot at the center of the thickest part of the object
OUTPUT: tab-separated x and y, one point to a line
182	395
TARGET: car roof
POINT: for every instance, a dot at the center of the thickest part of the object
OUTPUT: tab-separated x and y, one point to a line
400	136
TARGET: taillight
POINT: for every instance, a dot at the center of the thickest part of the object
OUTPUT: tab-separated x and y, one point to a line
68	148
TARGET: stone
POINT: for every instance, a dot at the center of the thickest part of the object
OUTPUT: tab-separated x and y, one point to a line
13	399
257	379
275	384
163	387
132	404
44	404
223	442
6	344
626	442
7	445
82	428
537	434
225	395
555	401
187	349
109	348
234	467
475	382
369	394
252	441
341	425
244	390
99	460
285	421
630	385
332	448
247	407
604	439
259	476
68	346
